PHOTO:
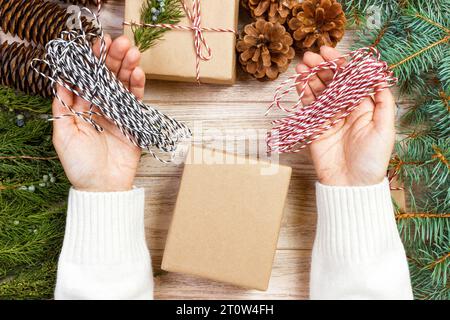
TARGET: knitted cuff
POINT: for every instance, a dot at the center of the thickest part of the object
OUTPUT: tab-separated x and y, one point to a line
105	227
355	223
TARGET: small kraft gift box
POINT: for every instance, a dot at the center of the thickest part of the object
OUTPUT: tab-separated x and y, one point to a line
174	57
227	219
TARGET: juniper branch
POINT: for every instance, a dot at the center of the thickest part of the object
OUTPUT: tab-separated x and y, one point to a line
146	37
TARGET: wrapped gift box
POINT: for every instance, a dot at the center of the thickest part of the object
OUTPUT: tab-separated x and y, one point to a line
227	221
174	58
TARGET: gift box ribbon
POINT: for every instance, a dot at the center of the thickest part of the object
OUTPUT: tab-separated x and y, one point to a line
203	51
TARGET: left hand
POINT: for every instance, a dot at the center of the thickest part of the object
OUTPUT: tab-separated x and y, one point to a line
94	161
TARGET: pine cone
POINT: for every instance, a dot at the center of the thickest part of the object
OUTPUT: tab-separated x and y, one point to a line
83	3
316	23
16	71
271	10
36	21
265	49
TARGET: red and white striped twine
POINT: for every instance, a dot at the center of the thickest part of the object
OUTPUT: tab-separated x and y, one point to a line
203	51
363	75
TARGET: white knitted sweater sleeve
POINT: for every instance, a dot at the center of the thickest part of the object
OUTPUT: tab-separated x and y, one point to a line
357	252
104	254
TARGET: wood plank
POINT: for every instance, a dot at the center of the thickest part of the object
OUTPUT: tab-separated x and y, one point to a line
290	280
239	128
298	226
300	162
236	128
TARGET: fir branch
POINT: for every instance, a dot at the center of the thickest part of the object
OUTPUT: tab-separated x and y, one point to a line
13	100
445	99
439	261
430	169
434	23
2	187
429	118
30	283
381	33
28	158
424	287
412	41
421	172
146	37
422	215
33	191
422	233
443	72
357	11
439	154
423	44
436	8
421	51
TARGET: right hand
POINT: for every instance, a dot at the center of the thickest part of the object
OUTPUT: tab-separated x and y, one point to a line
357	150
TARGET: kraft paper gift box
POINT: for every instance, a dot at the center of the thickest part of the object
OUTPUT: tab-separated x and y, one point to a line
227	220
173	57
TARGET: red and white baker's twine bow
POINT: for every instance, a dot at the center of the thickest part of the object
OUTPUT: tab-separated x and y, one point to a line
360	77
203	51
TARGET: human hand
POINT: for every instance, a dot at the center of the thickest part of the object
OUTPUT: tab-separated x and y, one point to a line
357	150
94	161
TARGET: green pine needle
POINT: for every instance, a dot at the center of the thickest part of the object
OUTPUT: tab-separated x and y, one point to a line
13	100
414	39
146	37
33	193
357	11
30	283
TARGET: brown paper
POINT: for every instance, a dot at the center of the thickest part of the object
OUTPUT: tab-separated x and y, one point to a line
226	222
174	58
399	195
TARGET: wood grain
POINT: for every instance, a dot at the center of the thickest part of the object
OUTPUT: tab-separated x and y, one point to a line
215	112
298	226
290	280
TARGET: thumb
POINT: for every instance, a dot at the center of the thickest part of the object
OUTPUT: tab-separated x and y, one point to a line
62	125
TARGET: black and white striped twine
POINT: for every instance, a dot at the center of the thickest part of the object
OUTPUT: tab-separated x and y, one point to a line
73	65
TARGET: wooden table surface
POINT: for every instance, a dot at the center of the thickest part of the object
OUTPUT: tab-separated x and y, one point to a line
222	110
216	108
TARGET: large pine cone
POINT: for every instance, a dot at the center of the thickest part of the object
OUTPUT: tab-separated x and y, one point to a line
83	2
265	49
36	21
16	71
317	23
271	10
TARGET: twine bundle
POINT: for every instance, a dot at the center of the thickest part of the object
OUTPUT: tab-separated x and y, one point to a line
363	75
74	66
